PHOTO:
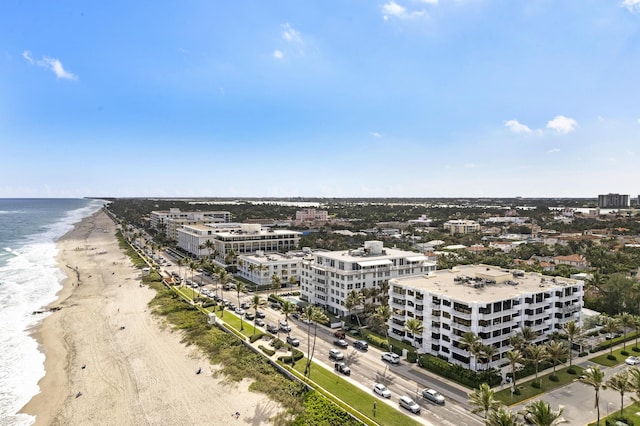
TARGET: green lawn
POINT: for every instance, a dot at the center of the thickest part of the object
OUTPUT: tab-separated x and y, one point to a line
353	398
528	391
630	412
604	361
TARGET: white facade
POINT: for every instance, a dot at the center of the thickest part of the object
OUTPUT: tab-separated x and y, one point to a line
328	277
241	238
462	226
259	268
160	218
489	301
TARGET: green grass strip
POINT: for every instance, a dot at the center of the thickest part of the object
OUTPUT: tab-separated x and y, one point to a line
604	361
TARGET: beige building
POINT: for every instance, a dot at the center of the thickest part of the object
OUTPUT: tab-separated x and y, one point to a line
462	226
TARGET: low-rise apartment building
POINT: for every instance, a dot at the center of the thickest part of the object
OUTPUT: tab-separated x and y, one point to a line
460	226
238	238
328	276
491	302
169	221
260	267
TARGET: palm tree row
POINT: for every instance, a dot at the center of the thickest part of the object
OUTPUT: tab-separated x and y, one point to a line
538	412
624	382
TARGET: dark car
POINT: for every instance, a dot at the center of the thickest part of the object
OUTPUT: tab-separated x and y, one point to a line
361	344
340	342
342	368
295	315
275	305
260	314
249	316
273	329
339	334
293	341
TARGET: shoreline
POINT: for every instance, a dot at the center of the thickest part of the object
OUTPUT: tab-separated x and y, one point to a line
108	360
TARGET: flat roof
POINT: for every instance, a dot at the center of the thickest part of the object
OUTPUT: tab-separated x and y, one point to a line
450	283
352	256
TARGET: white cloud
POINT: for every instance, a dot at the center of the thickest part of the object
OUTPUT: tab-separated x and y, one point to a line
375	134
290	34
393	9
278	54
562	124
517	127
632	6
52	64
551	151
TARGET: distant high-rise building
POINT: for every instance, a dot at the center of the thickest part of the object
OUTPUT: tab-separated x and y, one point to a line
613	201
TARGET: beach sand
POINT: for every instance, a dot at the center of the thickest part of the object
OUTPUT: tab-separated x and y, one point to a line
139	374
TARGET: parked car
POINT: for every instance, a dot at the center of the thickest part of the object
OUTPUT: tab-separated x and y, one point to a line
340	342
249	316
361	344
239	311
259	322
293	341
409	404
381	390
433	396
272	329
391	357
245	305
295	315
339	334
260	314
275	305
285	327
307	321
632	360
336	354
342	368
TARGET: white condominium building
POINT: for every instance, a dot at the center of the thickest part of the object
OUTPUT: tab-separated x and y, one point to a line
158	219
238	238
489	301
311	215
259	268
462	226
328	276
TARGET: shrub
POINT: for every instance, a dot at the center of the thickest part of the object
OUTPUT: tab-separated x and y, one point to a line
624	353
412	357
571	370
458	373
611	357
516	391
377	341
554	378
256	337
635	349
581	354
536	384
297	355
266	350
278	344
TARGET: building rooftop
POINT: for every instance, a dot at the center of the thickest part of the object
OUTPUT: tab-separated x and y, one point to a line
373	257
483	283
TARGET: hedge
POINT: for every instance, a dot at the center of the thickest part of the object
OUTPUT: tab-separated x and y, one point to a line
256	337
412	357
297	356
458	373
377	341
266	350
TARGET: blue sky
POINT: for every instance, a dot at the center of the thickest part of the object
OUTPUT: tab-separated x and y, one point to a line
351	98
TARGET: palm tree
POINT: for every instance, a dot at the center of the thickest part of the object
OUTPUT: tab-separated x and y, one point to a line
354	299
256	303
483	399
572	330
610	326
487	352
536	354
415	327
514	357
556	351
276	283
625	320
528	334
471	342
240	287
517	341
503	417
313	315
594	377
621	383
540	413
636	327
634	378
287	308
383	313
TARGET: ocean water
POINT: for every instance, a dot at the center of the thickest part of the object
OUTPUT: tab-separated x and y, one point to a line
29	281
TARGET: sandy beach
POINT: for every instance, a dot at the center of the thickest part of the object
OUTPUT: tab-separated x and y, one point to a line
109	361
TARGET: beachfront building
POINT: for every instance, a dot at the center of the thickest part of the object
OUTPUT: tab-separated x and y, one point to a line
461	226
233	239
169	221
613	201
328	276
261	267
492	302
